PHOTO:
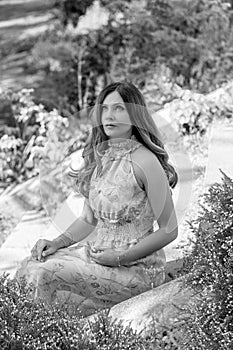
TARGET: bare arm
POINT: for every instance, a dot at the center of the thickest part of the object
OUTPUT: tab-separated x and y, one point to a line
80	229
151	175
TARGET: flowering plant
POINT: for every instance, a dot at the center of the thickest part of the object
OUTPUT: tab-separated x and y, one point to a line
27	324
34	135
21	145
210	267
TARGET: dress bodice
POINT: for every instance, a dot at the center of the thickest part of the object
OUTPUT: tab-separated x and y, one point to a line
121	206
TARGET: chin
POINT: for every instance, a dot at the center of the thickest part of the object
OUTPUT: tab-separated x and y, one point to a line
111	133
116	134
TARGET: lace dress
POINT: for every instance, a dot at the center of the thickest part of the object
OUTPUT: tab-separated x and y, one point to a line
124	217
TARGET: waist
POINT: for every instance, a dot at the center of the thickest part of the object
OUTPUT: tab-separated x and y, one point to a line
117	235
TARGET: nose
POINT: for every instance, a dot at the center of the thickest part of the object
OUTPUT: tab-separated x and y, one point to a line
108	114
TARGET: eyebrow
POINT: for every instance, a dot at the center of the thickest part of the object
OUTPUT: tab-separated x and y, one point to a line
113	104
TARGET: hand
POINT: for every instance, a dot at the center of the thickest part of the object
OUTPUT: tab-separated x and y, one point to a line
107	257
43	248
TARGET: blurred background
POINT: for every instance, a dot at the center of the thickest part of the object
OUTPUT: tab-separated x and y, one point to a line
56	56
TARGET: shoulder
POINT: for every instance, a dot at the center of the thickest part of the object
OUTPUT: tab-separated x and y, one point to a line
145	157
147	166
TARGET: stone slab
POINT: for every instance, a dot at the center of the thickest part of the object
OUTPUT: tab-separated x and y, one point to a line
161	306
19	243
32	227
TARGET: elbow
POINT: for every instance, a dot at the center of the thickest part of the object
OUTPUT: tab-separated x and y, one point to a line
90	220
172	234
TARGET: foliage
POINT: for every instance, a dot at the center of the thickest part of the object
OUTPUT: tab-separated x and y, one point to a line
7	223
22	145
221	101
191	113
195	40
71	10
190	44
56	57
192	39
26	324
29	324
74	68
210	266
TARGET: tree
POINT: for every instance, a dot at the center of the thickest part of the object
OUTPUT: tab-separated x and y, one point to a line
71	10
192	40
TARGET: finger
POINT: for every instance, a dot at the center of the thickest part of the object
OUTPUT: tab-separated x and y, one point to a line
41	246
47	252
95	255
96	261
34	248
92	254
34	252
96	250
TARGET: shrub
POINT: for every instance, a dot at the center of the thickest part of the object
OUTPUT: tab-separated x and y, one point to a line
210	266
192	113
27	324
74	68
221	101
22	145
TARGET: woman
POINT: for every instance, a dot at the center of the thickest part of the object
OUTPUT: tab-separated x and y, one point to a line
125	182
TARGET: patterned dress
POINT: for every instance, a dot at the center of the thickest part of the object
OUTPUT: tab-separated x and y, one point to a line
124	218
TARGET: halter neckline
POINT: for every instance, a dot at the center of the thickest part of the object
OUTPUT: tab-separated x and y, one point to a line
122	143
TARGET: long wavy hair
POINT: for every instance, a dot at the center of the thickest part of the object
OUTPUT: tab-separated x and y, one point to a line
143	128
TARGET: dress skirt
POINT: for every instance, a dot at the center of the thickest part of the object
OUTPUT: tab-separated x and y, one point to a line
70	275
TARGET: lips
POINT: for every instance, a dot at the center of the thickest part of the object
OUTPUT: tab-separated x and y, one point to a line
110	125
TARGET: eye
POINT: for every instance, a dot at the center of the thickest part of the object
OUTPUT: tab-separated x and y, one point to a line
119	108
104	108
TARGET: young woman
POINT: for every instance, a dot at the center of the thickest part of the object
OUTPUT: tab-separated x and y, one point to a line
125	183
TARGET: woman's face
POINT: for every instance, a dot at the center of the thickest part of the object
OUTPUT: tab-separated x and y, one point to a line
115	117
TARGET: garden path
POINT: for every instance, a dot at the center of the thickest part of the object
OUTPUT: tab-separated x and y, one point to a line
35	225
220	152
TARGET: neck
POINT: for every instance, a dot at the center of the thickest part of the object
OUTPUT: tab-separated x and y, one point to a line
120	139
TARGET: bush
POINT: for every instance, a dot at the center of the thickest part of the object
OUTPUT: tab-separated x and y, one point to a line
73	69
192	113
28	324
221	101
22	144
210	266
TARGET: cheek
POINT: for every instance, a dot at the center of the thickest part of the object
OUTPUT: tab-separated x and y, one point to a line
126	120
102	116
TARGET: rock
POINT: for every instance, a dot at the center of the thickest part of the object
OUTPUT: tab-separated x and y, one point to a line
173	268
26	195
33	226
164	305
18	245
